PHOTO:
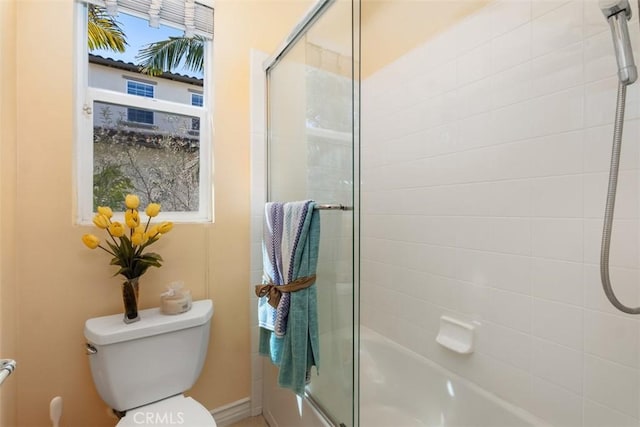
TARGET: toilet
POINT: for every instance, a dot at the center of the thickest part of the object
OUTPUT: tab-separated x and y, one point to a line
142	369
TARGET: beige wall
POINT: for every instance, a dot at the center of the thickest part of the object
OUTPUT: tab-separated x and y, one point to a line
391	28
58	283
7	207
240	26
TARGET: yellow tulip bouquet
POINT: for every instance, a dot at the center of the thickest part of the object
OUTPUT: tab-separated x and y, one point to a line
128	250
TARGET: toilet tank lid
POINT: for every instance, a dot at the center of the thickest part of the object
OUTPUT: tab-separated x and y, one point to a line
111	329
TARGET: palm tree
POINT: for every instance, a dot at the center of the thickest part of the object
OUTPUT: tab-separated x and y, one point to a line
103	31
166	55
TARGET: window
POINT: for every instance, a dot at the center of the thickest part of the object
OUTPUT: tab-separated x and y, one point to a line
140	89
139	116
136	115
198	100
140	135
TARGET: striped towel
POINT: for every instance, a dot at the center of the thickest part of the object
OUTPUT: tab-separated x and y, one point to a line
295	214
298	349
271	260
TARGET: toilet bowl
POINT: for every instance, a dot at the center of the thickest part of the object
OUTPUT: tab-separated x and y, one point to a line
142	369
177	410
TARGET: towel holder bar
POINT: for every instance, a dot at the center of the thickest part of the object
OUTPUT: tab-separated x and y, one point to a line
333	207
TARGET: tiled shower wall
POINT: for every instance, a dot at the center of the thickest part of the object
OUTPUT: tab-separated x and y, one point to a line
485	157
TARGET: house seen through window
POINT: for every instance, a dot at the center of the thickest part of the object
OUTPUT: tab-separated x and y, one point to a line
141	118
136	115
198	100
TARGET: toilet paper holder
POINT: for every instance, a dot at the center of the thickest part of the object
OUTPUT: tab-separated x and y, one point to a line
7	366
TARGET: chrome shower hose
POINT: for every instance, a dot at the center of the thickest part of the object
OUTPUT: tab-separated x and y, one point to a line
611	203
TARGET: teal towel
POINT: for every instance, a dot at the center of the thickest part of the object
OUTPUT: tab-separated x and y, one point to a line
298	350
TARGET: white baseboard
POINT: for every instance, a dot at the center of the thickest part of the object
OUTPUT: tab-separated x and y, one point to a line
256	410
269	418
233	412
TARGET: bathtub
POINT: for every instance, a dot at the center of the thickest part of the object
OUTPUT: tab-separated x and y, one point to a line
403	389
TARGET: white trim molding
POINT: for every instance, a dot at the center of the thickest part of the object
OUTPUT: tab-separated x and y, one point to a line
232	412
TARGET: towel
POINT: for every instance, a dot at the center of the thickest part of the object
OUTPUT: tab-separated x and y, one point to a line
271	260
295	214
297	349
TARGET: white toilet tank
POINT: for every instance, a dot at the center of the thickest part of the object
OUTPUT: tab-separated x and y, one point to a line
159	356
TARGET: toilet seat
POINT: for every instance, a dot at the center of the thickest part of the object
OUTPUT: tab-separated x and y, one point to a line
174	411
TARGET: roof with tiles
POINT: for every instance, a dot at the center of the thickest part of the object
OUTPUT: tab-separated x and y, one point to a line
129	66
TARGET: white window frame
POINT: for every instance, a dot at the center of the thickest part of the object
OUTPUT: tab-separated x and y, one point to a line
85	98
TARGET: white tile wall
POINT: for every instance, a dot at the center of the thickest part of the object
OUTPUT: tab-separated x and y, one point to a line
485	156
557	364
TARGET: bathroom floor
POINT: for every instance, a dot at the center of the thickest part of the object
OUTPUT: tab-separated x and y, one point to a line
256	421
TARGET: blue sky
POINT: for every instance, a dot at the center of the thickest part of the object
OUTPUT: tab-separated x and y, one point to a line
139	34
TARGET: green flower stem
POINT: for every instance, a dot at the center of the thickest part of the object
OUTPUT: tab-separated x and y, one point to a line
107	250
147	243
144	245
111	235
131	229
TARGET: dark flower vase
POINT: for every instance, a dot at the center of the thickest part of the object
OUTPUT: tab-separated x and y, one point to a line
130	300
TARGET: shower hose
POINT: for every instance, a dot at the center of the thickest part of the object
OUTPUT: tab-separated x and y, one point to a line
611	202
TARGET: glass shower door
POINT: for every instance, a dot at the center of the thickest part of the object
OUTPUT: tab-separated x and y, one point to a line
310	156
